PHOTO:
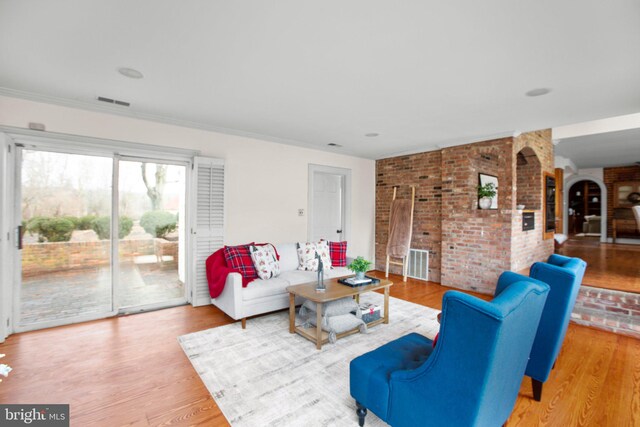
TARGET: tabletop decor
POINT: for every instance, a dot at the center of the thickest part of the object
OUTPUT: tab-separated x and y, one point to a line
488	192
359	266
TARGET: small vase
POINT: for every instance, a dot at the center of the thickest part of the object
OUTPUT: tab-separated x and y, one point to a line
359	275
485	203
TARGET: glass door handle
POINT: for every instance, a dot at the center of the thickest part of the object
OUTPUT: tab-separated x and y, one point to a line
19	235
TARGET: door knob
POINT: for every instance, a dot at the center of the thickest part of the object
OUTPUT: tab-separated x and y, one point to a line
338	231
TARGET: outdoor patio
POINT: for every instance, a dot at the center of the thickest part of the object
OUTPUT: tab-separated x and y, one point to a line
61	295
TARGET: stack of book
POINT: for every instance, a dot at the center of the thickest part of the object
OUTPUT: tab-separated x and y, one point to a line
354	281
370	312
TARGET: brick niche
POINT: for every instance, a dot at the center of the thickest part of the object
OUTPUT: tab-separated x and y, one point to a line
469	247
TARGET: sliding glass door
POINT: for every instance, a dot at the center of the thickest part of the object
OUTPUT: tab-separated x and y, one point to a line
74	266
152	254
66	268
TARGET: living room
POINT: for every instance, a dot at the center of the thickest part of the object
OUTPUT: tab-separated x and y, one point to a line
200	128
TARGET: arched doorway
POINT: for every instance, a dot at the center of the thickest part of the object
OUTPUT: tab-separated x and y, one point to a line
585	207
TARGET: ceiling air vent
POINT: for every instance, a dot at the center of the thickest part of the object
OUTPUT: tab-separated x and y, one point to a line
113	101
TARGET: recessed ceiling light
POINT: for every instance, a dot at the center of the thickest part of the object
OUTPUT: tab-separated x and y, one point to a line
538	92
333	144
371	135
130	72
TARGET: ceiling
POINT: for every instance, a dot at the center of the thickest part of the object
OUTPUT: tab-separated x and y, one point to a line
621	148
422	74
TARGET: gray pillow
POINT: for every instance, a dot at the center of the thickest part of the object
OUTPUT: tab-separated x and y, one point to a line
332	308
339	324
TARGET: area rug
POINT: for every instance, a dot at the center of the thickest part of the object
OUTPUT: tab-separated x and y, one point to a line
265	376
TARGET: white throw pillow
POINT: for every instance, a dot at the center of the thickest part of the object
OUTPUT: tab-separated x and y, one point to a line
307	255
265	261
307	260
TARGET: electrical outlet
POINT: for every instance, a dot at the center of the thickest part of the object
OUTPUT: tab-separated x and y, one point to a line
300	212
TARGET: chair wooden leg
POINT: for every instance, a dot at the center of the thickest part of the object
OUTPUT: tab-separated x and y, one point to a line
244	323
361	412
537	390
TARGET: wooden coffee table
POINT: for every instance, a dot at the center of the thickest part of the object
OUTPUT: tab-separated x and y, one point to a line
333	292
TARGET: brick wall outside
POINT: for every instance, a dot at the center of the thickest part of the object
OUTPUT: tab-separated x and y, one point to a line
613	311
610	177
42	258
469	247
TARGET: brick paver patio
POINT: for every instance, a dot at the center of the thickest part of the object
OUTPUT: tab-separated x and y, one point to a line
62	295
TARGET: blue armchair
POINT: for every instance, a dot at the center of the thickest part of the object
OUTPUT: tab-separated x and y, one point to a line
473	375
564	277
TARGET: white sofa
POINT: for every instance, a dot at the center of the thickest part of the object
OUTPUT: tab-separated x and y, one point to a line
262	296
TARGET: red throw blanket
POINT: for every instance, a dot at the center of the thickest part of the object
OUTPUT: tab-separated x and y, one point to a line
217	272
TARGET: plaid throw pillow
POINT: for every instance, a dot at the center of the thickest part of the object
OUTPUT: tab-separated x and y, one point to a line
239	258
338	254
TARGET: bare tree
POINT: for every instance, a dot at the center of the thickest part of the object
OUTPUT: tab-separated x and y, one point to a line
155	192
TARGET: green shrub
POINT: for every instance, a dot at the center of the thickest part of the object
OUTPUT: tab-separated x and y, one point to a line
56	229
159	223
102	226
84	223
74	220
125	226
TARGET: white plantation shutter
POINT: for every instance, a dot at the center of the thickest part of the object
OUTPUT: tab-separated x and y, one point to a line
208	222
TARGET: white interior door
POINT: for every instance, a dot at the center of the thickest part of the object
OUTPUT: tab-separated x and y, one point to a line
328	206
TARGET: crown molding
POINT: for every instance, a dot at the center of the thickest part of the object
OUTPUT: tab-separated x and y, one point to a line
129	113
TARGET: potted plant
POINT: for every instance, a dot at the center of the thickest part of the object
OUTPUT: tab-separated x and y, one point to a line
486	193
359	266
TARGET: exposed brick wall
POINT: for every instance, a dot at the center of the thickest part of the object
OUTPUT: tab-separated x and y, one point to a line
424	172
613	311
42	258
469	247
528	247
475	242
610	177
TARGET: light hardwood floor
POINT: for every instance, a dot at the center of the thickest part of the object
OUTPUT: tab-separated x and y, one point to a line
611	266
130	371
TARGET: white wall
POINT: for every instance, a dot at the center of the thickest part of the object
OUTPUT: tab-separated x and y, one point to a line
267	181
612	124
597	173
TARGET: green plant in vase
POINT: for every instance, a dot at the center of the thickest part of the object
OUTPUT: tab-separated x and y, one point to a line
359	266
486	193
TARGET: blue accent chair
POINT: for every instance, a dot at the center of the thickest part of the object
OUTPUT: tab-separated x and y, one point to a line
473	375
564	277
